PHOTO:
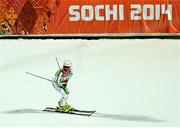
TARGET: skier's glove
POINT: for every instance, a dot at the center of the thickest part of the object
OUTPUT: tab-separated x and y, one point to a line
63	86
63	80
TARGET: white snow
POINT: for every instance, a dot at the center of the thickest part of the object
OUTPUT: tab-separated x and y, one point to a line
129	82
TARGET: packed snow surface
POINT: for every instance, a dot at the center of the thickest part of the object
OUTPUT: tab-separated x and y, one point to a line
128	82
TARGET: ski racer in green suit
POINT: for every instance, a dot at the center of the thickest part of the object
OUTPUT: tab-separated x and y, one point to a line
61	79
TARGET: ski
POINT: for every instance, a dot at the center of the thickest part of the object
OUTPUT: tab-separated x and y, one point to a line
49	109
85	111
76	110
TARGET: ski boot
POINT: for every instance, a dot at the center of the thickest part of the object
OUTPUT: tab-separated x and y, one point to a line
65	108
69	107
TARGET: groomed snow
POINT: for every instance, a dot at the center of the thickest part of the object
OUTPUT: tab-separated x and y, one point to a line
129	82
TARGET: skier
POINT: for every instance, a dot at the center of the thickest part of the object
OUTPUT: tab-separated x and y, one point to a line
61	79
59	82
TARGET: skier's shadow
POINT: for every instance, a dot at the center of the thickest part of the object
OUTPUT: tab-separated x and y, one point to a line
22	111
139	118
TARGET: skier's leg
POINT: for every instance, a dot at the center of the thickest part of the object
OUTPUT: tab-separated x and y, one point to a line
62	102
63	105
65	94
57	87
65	89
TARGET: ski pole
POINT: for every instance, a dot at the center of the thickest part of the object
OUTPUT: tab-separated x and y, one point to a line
57	62
40	77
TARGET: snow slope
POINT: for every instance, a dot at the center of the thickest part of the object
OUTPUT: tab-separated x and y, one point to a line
128	82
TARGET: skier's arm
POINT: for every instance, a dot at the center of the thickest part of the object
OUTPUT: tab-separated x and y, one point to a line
58	72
